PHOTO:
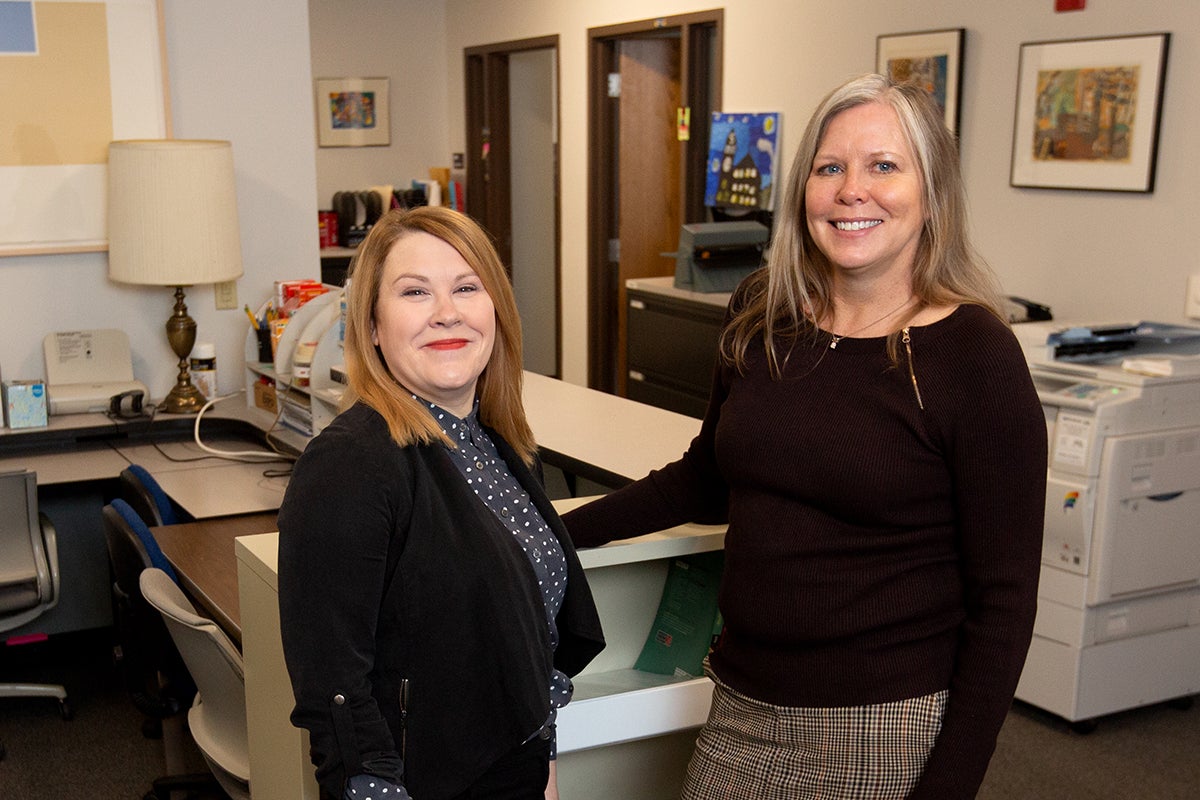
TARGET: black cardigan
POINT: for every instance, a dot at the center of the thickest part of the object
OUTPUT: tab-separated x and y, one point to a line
391	570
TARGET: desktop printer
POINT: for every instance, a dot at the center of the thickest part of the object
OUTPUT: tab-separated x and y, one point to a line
1118	618
715	256
85	370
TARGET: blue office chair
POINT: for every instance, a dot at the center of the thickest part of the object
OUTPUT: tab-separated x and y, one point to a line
146	497
29	579
155	676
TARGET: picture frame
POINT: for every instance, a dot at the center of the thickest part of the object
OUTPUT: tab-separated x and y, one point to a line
932	58
54	157
1088	113
352	112
743	158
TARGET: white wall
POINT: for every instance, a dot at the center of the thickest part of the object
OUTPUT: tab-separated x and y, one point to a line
404	41
238	71
1099	256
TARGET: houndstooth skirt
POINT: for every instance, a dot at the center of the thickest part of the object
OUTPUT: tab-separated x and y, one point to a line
749	750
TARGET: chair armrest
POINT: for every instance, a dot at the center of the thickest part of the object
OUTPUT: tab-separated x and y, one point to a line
50	546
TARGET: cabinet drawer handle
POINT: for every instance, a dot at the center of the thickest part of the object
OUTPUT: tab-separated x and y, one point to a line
634	375
638	304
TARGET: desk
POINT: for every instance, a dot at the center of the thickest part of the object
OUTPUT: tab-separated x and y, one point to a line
202	554
230	488
602	437
77	458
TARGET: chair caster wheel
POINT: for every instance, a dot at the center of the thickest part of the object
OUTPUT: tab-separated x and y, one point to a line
1084	726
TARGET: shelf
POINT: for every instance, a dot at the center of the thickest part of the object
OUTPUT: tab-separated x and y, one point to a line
305	408
626	705
681	540
614	703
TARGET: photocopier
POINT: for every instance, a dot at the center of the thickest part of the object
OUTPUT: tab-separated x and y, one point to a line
1118	619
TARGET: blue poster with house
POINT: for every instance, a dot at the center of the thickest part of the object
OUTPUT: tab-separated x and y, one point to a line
742	154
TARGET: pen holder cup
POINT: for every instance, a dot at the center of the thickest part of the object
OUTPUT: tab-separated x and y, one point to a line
265	353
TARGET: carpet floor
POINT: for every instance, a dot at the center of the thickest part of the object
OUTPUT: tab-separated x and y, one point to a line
101	754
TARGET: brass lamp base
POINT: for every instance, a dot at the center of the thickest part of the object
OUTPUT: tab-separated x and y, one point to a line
184	398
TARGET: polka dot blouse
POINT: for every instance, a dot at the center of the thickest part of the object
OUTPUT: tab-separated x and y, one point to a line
488	475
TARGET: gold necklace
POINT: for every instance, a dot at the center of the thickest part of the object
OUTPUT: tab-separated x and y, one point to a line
834	338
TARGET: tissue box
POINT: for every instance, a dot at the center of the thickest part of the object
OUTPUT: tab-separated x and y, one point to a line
24	403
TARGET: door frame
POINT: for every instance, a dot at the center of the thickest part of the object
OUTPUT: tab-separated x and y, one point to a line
701	54
489	180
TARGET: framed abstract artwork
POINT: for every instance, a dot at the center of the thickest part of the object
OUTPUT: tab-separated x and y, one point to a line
932	59
73	77
1088	113
352	112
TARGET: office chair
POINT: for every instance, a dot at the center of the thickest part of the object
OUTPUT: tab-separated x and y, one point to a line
146	497
29	580
218	715
155	676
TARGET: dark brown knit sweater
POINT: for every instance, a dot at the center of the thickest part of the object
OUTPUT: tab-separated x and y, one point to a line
877	550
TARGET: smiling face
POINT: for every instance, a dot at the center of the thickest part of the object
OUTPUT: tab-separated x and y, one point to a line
434	321
863	197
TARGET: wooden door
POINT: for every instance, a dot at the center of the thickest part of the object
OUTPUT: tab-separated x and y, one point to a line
649	167
644	178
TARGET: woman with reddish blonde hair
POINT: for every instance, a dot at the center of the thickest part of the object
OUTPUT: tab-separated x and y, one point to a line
432	606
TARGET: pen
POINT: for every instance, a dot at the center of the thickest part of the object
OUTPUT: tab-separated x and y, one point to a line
253	319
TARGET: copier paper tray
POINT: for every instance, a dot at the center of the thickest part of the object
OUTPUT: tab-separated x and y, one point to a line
1102	342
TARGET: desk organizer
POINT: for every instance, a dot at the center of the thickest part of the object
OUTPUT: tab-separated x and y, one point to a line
297	385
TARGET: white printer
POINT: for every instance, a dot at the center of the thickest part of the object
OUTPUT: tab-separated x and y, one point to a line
1118	621
86	369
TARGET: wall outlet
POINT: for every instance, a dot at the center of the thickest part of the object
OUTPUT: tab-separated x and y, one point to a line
226	295
1192	309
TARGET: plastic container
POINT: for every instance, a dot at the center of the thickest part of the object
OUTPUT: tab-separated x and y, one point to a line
203	367
302	363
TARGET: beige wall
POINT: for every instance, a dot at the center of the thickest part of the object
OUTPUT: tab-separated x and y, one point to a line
1090	255
404	41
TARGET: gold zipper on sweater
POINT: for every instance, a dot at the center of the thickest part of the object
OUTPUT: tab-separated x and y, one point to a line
911	372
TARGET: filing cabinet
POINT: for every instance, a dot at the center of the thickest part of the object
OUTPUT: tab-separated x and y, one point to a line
671	344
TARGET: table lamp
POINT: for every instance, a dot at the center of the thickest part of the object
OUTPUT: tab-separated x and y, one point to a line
172	221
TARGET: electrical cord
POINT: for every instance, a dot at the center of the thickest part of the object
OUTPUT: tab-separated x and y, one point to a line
253	456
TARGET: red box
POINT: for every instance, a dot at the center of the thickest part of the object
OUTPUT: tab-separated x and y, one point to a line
328	222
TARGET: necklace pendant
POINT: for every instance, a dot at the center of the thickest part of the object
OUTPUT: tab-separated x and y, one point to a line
833	342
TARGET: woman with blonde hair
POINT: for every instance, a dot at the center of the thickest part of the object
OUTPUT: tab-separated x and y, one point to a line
432	606
877	446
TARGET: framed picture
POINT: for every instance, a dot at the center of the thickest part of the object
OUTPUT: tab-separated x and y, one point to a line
73	77
1088	112
352	112
932	59
743	150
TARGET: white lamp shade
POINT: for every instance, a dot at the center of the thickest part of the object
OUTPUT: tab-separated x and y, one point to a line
172	212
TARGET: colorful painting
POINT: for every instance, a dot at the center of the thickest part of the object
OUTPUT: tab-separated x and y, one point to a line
352	110
742	154
930	59
928	72
1085	114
